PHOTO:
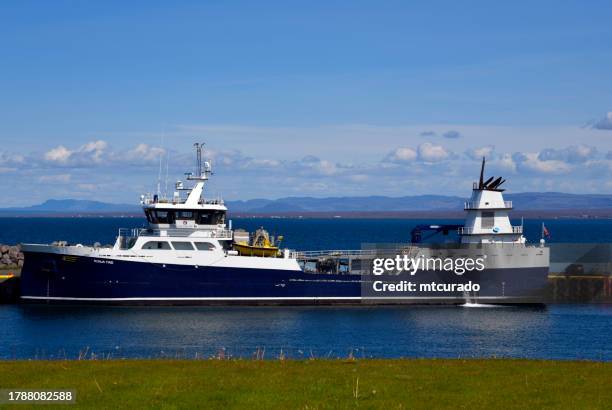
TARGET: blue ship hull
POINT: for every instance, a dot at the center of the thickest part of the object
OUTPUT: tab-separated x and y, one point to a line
48	277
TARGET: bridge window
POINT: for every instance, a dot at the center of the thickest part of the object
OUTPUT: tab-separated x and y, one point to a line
185	215
210	217
165	217
163	245
182	246
488	220
150	216
204	246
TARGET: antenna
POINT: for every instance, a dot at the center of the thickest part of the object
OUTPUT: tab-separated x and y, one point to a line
481	181
159	175
198	148
167	166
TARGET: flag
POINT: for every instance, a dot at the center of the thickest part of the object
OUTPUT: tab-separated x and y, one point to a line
545	231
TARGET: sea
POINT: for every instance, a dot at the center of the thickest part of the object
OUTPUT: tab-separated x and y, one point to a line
565	332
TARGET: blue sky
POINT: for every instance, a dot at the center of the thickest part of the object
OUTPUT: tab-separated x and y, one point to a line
304	98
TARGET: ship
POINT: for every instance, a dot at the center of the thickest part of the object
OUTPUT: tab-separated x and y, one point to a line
188	254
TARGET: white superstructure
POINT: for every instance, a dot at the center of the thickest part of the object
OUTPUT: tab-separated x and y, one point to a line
187	229
487	219
187	215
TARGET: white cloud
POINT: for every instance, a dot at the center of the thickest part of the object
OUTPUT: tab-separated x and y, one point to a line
10	162
59	154
95	149
478	153
403	170
429	152
505	162
317	166
7	158
99	153
86	155
605	123
237	160
600	166
265	163
143	152
531	161
574	154
402	154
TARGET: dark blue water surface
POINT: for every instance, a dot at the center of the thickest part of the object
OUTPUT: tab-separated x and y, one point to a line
302	234
554	332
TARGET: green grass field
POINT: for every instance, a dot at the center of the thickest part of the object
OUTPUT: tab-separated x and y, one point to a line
313	384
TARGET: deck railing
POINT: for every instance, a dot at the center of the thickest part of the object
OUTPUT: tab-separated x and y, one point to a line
333	253
176	201
193	233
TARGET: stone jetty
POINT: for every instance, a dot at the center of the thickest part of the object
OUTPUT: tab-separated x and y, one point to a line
11	257
11	261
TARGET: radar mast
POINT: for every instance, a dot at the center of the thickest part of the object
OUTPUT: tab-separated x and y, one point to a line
203	169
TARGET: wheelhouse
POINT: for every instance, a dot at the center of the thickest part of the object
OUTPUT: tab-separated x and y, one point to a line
180	218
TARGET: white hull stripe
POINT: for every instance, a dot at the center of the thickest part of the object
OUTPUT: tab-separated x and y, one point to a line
313	298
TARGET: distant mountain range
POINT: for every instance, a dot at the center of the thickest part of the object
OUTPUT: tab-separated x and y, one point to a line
348	204
523	201
73	206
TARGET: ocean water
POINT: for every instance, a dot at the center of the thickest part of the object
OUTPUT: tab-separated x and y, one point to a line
556	332
54	332
301	234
